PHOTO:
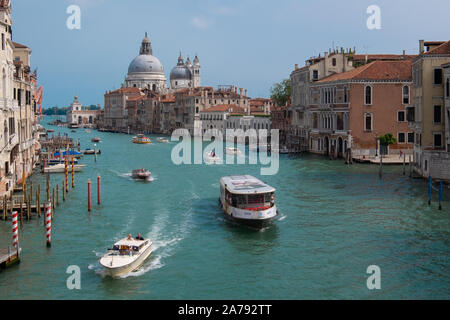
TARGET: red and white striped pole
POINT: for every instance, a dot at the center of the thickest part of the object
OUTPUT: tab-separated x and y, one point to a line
15	230
48	222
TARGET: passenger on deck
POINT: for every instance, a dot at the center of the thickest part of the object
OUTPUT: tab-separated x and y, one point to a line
130	237
139	237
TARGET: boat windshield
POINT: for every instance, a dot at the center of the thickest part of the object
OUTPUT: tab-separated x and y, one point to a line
251	200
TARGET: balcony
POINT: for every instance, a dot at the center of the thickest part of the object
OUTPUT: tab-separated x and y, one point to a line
13	141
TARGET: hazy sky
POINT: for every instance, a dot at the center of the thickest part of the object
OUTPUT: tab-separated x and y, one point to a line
249	43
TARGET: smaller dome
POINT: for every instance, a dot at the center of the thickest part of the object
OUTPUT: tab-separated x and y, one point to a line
180	72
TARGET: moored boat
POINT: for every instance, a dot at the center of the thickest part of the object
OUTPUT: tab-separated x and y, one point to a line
162	140
141	174
141	139
91	151
247	200
126	256
96	139
61	167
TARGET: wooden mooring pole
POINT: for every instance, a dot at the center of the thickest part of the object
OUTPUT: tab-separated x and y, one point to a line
430	186
64	191
98	190
89	195
440	195
404	164
5	207
381	165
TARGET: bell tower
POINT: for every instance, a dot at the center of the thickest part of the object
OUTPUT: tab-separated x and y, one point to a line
196	73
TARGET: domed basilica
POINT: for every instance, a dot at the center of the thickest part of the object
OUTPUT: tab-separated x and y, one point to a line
147	72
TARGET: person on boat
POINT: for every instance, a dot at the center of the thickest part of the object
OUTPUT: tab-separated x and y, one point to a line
130	237
213	154
139	237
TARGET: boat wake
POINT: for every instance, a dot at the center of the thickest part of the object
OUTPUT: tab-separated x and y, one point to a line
282	218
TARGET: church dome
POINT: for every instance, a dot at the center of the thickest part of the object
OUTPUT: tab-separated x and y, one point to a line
145	63
180	72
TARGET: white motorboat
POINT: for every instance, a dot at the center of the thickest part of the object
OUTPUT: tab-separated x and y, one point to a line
247	200
141	174
61	168
212	158
233	151
162	140
126	256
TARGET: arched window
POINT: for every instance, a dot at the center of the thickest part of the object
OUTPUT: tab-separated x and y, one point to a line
368	122
368	95
406	95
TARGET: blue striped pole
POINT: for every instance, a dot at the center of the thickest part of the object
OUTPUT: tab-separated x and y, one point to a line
430	185
440	195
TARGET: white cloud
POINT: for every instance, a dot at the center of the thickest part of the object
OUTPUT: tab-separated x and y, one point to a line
201	22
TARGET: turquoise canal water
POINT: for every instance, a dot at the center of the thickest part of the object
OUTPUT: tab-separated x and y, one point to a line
335	221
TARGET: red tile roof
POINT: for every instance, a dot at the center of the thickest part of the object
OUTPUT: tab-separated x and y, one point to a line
444	48
18	45
126	90
225	108
376	70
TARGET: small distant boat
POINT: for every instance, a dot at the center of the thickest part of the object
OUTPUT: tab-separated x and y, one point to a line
61	168
212	158
73	130
162	140
141	139
126	256
91	151
96	139
141	174
233	151
247	200
87	131
284	150
50	130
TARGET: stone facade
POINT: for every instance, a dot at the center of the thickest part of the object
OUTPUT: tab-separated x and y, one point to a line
428	114
18	121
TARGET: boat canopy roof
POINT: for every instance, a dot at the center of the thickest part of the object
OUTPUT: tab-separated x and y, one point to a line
246	185
130	243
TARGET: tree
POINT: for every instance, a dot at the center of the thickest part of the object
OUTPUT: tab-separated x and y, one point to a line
280	93
385	141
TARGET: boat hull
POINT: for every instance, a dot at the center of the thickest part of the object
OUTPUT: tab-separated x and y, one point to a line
254	219
126	269
61	169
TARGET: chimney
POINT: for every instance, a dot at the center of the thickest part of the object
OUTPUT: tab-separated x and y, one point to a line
245	92
326	54
296	66
404	54
240	93
421	46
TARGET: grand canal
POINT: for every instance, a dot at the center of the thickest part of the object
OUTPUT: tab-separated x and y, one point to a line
335	221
